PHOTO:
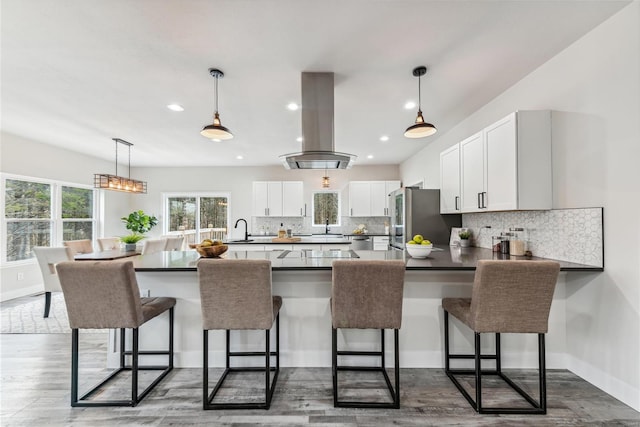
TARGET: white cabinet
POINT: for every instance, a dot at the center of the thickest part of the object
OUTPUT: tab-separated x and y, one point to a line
506	166
293	198
380	243
278	198
370	198
450	180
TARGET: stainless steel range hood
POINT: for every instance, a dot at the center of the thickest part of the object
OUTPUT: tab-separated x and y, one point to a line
317	127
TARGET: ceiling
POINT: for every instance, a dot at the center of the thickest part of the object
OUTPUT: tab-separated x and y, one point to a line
77	73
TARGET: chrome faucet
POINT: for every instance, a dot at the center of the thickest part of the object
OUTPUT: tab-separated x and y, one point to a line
326	228
246	233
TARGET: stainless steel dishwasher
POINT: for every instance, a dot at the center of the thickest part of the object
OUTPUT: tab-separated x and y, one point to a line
362	243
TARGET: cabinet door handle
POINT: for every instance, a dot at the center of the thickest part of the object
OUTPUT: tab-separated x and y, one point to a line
265	212
300	211
351	214
456	203
479	202
305	209
484	201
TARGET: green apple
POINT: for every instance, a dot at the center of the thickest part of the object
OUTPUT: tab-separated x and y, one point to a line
426	242
411	242
418	238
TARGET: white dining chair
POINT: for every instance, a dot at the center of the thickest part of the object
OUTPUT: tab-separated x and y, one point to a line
174	243
47	260
109	243
151	246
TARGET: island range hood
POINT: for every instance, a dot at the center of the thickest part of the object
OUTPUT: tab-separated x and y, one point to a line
317	127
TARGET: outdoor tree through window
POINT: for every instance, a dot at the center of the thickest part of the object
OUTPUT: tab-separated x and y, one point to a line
326	206
198	217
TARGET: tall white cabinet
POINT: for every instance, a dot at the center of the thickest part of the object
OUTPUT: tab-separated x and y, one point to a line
506	166
278	198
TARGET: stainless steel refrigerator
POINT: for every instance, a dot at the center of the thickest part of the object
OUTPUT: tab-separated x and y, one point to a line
417	211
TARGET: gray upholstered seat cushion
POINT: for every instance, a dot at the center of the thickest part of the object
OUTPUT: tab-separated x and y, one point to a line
367	294
236	294
508	297
154	306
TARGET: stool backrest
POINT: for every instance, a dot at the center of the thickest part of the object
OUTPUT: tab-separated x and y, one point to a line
174	243
48	258
83	246
101	294
235	294
367	294
109	243
151	246
513	296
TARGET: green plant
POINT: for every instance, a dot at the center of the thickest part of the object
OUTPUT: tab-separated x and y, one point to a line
464	235
139	223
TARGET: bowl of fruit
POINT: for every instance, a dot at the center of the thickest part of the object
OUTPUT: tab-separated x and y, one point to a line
419	247
210	248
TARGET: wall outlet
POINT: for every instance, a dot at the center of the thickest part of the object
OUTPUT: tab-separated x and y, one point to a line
20	276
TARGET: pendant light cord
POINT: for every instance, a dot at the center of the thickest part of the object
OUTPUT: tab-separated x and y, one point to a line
419	94
215	93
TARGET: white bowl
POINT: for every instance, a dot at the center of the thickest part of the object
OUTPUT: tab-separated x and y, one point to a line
419	251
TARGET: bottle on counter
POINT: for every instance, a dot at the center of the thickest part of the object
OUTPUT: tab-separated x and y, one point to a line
281	231
517	243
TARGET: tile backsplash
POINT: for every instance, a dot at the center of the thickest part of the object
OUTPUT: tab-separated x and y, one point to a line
574	235
302	225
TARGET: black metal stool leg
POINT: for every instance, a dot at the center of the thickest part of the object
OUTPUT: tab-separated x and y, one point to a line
47	303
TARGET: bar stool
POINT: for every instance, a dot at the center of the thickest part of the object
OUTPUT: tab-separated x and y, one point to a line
236	294
367	295
507	297
105	295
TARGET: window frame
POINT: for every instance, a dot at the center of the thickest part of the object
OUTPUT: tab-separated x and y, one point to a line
197	195
56	221
313	208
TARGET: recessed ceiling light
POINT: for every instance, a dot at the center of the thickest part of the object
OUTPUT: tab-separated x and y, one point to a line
175	107
292	106
370	156
410	105
384	138
239	157
299	139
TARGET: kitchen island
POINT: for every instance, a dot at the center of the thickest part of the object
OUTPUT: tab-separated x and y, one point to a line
303	279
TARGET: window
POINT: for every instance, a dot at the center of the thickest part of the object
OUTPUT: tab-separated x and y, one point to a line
44	213
198	217
326	205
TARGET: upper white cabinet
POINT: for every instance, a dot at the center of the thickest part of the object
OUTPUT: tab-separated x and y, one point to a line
370	198
293	198
450	180
506	166
278	198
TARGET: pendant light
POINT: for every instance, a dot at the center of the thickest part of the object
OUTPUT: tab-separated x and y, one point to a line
420	128
325	180
119	183
215	130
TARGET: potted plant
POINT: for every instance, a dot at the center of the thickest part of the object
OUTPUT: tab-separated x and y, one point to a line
139	223
464	235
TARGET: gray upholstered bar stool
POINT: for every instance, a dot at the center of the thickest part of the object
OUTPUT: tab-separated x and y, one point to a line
367	295
105	295
507	297
236	294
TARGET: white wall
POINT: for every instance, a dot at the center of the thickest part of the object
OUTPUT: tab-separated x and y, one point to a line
593	88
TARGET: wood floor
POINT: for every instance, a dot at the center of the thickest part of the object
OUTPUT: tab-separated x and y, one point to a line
35	371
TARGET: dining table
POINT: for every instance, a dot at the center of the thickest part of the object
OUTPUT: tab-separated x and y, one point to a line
105	255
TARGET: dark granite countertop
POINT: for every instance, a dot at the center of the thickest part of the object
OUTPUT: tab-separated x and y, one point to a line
454	259
315	240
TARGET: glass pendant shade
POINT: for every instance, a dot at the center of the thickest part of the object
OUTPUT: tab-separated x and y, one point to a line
325	182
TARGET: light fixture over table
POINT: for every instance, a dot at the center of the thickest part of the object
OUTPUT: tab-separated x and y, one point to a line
120	183
325	180
216	130
420	128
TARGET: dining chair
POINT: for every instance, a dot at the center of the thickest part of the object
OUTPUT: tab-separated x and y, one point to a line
109	243
151	246
174	243
83	246
47	260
